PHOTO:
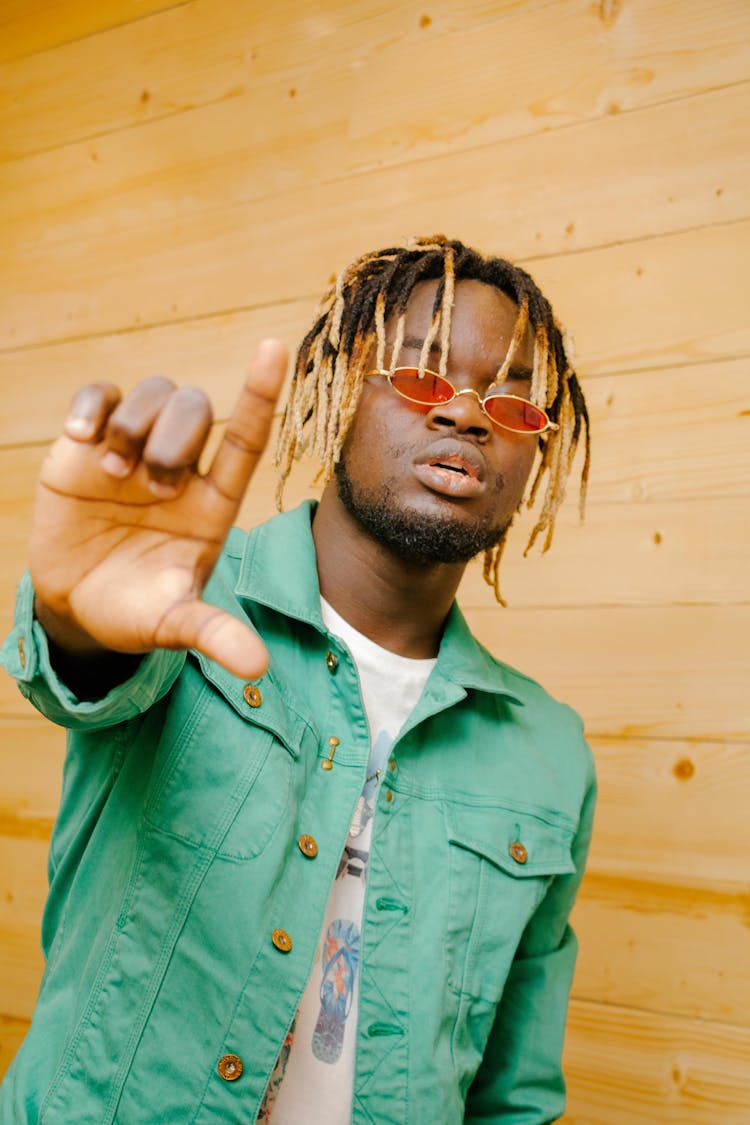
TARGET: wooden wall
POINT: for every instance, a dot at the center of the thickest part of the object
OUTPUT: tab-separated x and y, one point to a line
180	177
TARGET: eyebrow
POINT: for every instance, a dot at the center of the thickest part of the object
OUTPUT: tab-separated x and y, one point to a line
416	344
523	373
519	372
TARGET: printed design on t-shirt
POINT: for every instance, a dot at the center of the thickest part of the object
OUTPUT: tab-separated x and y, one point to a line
277	1075
353	862
366	803
339	961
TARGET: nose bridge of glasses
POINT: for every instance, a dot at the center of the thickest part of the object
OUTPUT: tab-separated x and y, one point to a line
467	415
468	391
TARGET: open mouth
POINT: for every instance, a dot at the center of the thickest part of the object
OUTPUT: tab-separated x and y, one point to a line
450	476
453	467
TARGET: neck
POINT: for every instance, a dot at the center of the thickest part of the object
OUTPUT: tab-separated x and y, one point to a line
399	605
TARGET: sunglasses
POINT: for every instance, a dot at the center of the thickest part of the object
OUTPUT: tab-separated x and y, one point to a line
510	412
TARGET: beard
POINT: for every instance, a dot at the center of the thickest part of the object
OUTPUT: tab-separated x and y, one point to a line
413	536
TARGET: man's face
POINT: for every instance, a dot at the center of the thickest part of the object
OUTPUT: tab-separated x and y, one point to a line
441	484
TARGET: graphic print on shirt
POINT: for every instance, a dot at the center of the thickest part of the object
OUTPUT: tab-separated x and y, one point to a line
366	802
274	1084
340	961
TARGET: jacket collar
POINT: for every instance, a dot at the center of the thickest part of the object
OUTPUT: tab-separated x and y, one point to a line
278	569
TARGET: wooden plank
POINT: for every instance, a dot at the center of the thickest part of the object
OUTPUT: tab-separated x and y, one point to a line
26	29
587	62
689	177
211	352
644	296
193	56
12	1032
654	946
672	672
649	426
31	770
628	1067
179	259
23	877
673	812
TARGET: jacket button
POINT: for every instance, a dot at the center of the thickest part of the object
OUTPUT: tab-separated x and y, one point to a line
21	652
281	940
230	1067
518	852
252	695
332	662
392	765
308	846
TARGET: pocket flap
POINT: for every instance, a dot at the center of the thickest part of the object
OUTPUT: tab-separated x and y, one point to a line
259	702
520	843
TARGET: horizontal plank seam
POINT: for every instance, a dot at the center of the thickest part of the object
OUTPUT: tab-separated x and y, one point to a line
367	170
280	302
168	7
677	232
699	1021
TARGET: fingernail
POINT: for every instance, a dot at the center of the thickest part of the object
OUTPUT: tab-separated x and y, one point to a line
115	465
79	427
162	491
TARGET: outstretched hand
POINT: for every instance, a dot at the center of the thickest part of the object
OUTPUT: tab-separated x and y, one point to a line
126	531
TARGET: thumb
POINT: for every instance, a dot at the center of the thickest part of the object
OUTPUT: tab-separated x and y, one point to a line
218	635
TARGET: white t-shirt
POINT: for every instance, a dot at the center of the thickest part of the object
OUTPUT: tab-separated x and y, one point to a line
314	1078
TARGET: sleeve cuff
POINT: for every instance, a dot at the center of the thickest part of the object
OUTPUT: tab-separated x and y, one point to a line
25	655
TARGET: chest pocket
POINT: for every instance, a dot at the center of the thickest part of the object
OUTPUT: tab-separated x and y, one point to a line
224	767
501	862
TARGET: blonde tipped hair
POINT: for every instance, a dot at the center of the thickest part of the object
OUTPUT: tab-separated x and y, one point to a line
350	328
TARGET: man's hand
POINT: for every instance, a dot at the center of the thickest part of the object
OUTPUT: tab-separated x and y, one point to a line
126	531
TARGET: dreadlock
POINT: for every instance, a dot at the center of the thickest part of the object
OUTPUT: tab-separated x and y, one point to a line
336	354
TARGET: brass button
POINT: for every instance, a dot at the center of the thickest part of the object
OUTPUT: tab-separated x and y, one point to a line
308	846
281	940
332	662
389	796
252	695
230	1067
392	765
518	852
21	652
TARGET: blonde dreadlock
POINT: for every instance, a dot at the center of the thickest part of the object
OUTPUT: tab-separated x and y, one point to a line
350	323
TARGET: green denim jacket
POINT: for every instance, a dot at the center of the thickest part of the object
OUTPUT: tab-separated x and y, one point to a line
175	856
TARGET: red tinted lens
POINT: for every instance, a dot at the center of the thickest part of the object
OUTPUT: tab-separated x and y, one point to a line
429	390
516	414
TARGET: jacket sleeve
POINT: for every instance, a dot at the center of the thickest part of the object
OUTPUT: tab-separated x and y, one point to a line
25	655
520	1080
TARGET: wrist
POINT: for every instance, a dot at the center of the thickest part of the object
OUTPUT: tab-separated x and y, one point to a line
65	634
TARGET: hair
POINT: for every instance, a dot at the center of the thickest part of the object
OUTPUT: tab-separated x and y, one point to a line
350	324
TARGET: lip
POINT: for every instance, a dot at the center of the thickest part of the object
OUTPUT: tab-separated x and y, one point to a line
452	468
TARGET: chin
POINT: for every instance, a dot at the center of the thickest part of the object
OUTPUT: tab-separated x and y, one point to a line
443	532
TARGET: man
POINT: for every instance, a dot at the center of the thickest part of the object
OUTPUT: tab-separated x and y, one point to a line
317	849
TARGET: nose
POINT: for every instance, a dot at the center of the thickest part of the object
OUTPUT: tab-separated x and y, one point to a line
464	414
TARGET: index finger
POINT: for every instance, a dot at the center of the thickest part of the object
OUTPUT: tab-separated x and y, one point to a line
250	422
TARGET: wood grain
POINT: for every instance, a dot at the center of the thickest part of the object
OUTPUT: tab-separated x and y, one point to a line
26	29
174	262
627	1067
587	63
641	673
